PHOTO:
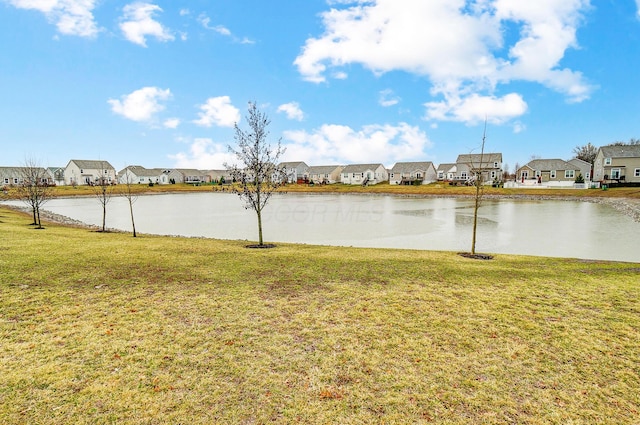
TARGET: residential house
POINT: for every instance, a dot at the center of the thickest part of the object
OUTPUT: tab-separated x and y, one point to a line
192	176
12	176
548	172
413	173
364	174
617	163
584	167
138	174
446	172
297	172
220	176
88	172
488	165
325	174
56	175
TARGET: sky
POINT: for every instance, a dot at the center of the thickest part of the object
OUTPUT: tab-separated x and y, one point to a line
162	83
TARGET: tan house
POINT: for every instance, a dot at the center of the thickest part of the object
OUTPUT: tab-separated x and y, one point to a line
193	176
88	172
364	174
548	172
617	164
413	173
489	165
324	174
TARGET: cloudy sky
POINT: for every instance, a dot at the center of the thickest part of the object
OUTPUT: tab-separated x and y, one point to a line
162	83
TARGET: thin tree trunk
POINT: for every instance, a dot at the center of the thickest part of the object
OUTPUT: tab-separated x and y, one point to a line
475	216
133	223
104	217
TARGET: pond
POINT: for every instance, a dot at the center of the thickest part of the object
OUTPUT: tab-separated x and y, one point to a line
529	227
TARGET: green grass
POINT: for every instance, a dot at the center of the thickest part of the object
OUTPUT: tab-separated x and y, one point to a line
106	328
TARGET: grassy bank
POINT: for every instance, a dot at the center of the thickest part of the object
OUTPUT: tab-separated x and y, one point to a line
434	189
105	328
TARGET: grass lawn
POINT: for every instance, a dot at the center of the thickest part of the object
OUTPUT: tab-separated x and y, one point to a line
106	328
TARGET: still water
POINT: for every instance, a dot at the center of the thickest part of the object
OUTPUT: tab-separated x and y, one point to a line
546	228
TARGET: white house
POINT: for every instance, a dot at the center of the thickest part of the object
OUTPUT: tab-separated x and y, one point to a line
446	171
488	165
413	173
84	172
364	174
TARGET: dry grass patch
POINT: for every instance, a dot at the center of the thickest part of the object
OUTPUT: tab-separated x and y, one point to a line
105	328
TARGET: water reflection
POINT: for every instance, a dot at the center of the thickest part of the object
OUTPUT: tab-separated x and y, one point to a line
549	228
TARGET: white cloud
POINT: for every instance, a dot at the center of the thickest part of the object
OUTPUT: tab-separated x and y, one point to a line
461	46
171	123
72	17
203	154
218	111
140	105
388	98
138	23
339	144
475	108
638	8
293	111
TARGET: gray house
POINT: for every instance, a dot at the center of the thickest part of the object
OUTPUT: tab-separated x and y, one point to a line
413	173
295	171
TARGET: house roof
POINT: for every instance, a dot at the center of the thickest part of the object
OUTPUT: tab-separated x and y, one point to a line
408	167
191	172
551	164
446	167
474	158
293	164
92	164
323	169
360	168
625	151
139	170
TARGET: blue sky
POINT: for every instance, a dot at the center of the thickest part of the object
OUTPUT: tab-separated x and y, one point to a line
161	83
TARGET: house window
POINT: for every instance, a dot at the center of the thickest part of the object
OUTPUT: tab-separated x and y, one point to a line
346	176
495	165
615	173
6	180
354	175
81	171
607	161
15	181
636	173
538	173
391	175
440	175
569	174
524	174
553	174
464	175
493	174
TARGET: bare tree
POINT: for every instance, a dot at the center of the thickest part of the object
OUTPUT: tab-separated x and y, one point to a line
130	195
586	153
103	189
256	174
34	188
479	191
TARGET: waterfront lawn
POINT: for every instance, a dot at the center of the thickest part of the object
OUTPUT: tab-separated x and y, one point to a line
106	328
